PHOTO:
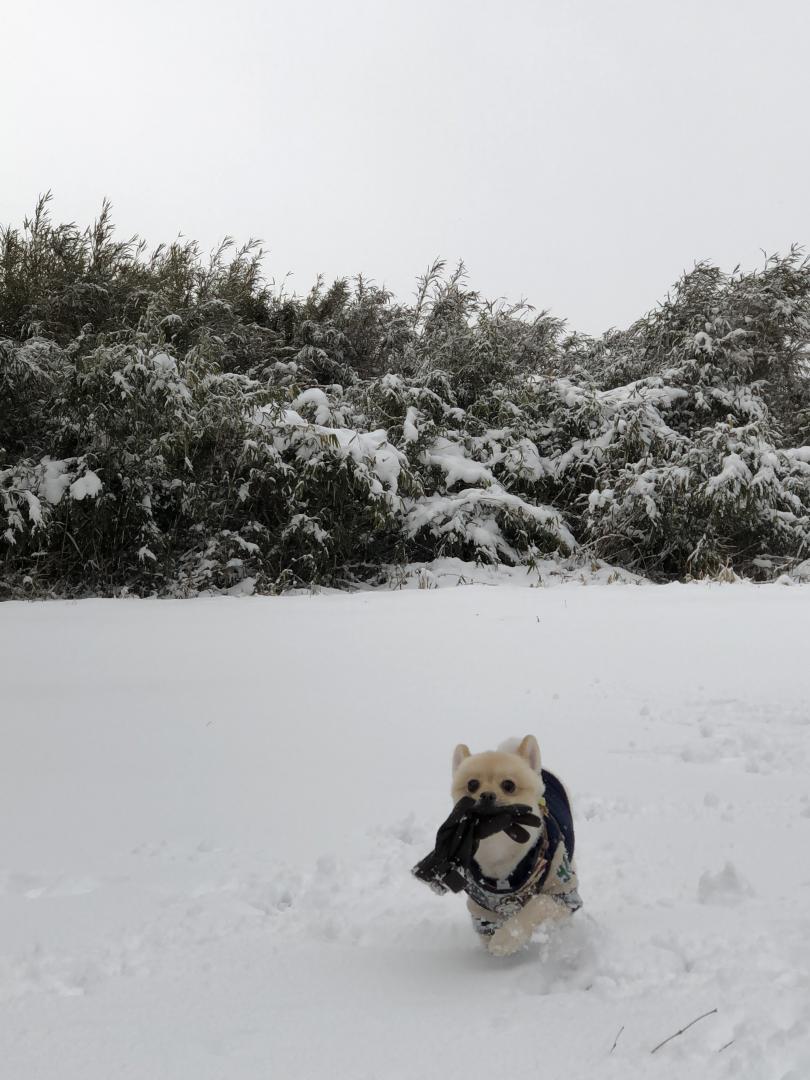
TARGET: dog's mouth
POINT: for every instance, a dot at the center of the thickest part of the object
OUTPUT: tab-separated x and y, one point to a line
501	801
489	800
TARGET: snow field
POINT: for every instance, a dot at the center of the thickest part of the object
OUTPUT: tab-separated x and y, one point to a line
209	810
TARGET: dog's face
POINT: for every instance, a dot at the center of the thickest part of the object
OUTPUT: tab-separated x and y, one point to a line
497	776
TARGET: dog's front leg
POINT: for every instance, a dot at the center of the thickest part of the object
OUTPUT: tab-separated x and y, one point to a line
517	931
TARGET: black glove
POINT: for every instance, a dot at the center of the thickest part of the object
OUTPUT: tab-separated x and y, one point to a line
458	838
454	846
508	819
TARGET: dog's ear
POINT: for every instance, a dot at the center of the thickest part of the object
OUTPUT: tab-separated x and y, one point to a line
460	752
530	752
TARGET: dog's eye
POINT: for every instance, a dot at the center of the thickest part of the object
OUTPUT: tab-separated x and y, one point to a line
508	786
473	785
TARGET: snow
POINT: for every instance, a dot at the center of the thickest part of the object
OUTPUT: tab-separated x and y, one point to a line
34	507
703	342
649	391
314	396
734	473
724	887
210	808
163	361
88	485
54	481
452	513
410	432
370	449
451	458
450	572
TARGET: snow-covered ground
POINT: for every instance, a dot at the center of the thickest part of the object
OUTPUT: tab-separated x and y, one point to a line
209	810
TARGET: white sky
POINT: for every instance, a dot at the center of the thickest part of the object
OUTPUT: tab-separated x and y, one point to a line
578	154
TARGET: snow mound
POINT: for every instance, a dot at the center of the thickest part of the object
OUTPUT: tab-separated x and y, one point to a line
726	886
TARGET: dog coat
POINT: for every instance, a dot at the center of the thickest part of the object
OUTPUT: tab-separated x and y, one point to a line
547	868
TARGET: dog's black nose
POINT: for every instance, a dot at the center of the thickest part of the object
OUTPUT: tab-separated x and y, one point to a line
487	796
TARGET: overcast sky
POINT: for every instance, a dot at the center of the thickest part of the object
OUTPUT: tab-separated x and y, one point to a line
578	154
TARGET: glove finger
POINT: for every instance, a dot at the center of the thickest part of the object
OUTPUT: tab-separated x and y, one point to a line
528	819
451	832
460	812
518	833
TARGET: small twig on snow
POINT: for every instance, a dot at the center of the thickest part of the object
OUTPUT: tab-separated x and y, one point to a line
618	1033
683	1029
725	1046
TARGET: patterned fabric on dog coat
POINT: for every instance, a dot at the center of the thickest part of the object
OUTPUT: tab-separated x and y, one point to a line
547	868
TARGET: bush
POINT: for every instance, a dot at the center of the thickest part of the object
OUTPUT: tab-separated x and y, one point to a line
170	424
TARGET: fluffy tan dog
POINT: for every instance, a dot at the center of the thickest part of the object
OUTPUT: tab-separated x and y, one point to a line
517	886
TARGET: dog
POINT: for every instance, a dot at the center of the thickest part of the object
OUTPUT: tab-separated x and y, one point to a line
513	887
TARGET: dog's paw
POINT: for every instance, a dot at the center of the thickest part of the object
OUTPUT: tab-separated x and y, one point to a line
507	940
